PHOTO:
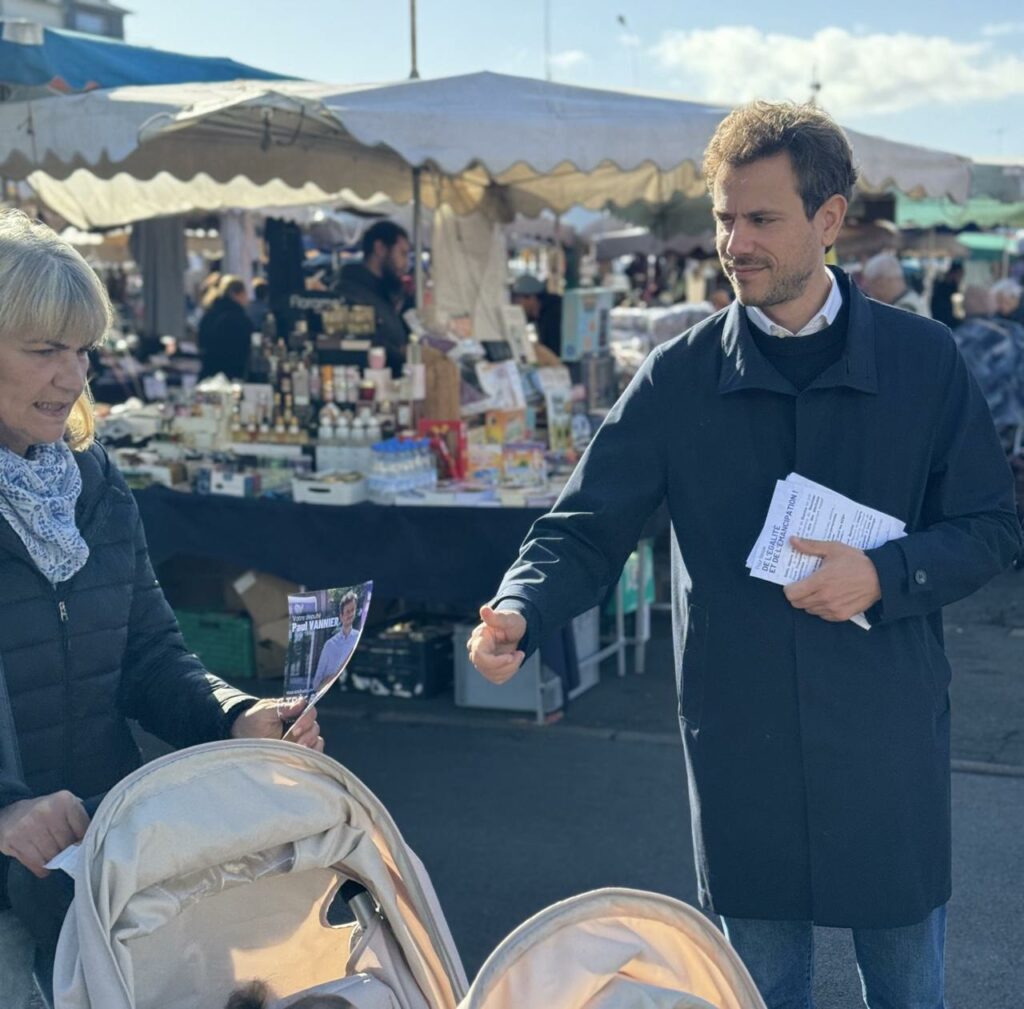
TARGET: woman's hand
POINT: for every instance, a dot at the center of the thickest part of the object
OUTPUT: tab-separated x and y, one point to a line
35	830
269	719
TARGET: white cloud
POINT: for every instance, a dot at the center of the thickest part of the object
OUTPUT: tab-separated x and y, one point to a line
992	31
860	74
569	60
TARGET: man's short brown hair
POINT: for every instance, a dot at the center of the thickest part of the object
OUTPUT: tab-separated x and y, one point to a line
818	149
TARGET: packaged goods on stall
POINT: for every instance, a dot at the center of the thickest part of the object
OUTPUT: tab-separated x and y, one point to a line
524	465
501	426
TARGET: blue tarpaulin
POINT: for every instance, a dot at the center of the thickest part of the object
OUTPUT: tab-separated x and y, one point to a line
66	61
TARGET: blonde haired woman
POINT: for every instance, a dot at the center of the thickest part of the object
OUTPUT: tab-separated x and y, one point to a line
87	640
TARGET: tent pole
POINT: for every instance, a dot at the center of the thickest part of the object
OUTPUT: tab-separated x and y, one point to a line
415	73
417	235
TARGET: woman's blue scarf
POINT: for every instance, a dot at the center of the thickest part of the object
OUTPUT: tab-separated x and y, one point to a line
38	493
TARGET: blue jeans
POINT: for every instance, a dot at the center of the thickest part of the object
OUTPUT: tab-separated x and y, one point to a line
900	968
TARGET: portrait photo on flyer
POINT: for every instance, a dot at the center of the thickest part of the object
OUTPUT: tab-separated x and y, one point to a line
325	626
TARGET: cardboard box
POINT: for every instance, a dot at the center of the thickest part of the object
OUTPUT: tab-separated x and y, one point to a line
270	659
235	484
265	598
331	489
275	632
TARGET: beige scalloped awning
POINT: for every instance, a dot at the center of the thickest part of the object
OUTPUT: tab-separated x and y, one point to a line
484	141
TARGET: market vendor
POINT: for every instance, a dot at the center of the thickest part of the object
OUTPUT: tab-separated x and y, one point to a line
542	308
87	639
377	281
225	331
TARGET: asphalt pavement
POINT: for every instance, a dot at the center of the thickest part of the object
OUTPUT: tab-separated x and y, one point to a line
510	817
508	821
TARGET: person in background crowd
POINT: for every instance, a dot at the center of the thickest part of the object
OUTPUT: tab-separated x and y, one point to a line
721	297
87	639
377	281
209	289
1009	303
943	291
543	309
817	753
993	348
885	281
225	331
259	308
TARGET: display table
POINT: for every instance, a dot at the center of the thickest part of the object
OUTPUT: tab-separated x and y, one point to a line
453	556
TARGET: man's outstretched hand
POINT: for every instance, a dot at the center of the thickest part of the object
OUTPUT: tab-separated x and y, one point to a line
493	645
846	583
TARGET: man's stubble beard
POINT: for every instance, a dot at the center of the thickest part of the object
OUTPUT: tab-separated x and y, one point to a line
784	288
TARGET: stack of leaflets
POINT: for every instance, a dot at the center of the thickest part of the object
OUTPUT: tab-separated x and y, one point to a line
803	508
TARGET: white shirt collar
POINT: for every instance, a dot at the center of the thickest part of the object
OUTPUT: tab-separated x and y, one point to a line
825	317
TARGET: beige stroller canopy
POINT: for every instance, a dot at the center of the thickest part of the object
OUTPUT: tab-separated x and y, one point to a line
216	865
614	949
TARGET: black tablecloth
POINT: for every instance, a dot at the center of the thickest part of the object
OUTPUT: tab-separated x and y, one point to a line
450	556
455	556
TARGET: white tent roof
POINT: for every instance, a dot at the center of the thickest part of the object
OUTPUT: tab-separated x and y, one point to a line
485	141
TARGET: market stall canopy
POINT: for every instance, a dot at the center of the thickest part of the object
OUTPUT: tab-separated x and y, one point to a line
641	241
34	57
996	198
984	246
484	141
90	202
680	215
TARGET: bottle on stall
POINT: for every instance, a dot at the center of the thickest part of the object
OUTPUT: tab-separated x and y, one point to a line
300	385
258	366
269	329
315	382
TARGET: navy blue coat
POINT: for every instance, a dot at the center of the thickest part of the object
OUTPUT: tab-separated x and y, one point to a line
81	659
817	753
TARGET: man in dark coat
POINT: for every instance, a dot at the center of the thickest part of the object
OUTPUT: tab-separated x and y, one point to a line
943	291
377	281
225	332
541	308
817	752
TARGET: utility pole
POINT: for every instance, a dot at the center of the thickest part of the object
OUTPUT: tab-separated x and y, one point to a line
815	86
547	40
629	40
414	75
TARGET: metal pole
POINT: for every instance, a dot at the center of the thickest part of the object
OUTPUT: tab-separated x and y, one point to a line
417	202
547	40
415	73
417	236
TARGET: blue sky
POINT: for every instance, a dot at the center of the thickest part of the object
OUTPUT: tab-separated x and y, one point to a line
945	75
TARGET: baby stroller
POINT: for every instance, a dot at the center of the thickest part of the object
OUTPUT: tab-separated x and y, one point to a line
221	864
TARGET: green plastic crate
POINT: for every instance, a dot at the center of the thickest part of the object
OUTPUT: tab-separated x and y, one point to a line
223	641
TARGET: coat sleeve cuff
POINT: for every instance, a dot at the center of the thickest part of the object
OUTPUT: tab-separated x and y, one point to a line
232	710
891	566
531	639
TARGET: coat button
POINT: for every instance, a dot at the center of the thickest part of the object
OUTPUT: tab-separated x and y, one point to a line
920	576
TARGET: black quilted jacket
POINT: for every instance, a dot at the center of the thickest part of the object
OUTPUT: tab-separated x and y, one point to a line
99	649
